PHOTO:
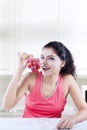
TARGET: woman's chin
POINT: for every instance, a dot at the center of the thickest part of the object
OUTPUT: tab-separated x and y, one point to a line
46	73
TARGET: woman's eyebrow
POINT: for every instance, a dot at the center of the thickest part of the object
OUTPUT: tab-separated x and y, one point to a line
48	55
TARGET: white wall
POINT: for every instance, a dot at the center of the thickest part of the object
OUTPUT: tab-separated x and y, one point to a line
26	25
73	30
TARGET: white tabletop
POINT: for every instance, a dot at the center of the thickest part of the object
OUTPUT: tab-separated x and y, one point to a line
35	124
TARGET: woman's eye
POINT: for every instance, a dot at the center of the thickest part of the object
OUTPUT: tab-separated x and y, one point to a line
50	58
41	57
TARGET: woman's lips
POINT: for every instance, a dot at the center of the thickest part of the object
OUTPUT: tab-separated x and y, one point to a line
45	68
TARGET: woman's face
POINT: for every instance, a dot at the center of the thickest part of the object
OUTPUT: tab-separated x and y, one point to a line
50	62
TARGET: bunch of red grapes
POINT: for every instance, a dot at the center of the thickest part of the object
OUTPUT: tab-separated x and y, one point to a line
34	64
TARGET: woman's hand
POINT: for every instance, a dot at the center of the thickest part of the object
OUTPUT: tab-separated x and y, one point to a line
66	123
22	59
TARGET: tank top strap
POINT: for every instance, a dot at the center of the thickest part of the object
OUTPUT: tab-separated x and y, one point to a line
37	85
38	81
60	83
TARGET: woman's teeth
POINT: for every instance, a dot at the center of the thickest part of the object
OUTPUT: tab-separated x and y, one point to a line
45	68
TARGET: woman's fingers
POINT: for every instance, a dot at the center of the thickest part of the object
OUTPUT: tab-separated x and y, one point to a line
25	55
23	58
66	122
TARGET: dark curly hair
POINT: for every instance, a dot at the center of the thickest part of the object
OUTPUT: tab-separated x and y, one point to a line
65	55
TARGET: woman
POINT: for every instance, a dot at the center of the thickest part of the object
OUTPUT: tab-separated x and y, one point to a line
46	91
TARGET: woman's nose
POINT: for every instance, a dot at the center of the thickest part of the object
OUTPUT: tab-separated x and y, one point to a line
45	60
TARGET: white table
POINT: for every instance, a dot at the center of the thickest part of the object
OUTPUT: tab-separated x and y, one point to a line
35	124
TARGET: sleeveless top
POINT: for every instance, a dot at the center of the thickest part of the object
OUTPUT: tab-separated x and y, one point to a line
37	106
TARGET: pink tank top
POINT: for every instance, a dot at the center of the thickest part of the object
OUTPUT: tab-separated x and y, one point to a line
37	106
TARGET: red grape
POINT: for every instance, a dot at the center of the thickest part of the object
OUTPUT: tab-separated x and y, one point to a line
34	64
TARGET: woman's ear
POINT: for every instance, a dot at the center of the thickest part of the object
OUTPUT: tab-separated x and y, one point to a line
63	63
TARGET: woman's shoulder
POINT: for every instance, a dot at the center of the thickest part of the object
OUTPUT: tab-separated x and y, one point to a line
69	79
69	82
31	78
30	75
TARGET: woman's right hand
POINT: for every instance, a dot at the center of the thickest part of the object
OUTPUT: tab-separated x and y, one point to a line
22	59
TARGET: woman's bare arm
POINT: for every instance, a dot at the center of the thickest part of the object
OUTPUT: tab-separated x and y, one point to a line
16	87
73	89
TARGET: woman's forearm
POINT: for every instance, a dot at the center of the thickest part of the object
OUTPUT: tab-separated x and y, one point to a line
70	121
10	94
80	116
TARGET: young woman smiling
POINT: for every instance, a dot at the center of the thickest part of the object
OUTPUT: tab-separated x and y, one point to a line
46	91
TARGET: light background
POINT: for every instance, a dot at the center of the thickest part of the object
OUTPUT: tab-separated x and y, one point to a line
26	25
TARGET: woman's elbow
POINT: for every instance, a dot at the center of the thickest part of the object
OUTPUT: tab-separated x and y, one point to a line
6	106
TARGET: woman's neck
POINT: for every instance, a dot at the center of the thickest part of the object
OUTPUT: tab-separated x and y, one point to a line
51	79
